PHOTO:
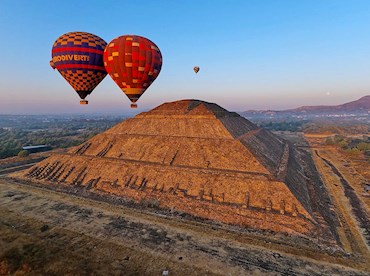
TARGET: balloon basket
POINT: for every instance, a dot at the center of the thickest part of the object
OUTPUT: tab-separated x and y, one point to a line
84	102
133	105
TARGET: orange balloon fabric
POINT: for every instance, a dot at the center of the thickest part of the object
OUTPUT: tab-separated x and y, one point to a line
133	62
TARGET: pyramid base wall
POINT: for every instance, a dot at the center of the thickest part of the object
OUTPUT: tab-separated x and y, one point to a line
247	200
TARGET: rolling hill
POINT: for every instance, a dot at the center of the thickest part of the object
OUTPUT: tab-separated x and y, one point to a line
357	107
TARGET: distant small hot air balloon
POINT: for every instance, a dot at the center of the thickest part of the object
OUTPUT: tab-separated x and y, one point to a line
78	56
196	69
133	62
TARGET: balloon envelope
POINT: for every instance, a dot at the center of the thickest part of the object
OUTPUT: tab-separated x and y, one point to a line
78	56
196	69
133	62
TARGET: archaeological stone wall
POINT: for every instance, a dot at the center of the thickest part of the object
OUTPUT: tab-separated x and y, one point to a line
215	188
193	157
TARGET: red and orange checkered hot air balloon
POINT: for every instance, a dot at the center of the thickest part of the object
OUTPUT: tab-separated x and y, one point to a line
78	56
133	62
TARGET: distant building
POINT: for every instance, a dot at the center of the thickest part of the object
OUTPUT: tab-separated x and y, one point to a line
38	148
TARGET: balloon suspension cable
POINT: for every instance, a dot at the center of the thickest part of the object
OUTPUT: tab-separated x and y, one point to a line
84	102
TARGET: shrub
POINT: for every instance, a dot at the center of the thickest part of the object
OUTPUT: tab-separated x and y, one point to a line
151	203
329	141
343	144
353	151
23	153
363	146
338	138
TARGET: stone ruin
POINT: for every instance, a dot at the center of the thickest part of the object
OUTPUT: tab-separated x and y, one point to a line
194	157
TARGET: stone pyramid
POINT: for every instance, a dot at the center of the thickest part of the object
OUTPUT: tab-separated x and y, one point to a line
195	157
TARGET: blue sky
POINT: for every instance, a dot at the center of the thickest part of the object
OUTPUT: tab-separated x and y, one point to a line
252	54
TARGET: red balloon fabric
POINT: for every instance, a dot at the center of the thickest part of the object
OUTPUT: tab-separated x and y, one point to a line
133	62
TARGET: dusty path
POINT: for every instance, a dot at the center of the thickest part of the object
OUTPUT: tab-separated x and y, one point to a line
357	208
15	169
350	205
44	230
18	164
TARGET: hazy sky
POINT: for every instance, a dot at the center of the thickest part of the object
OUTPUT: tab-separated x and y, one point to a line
252	54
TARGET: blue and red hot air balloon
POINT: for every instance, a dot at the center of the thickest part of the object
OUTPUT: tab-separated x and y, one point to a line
78	56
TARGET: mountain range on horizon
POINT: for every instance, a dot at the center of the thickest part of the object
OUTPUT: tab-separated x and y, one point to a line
361	105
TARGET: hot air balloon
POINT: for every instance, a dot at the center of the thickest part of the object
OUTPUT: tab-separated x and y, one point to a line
196	69
133	62
78	56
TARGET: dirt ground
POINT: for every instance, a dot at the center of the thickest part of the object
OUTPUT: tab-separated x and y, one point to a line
48	232
344	176
44	232
355	168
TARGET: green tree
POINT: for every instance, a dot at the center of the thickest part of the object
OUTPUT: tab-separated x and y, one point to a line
338	138
363	146
23	153
343	144
329	141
